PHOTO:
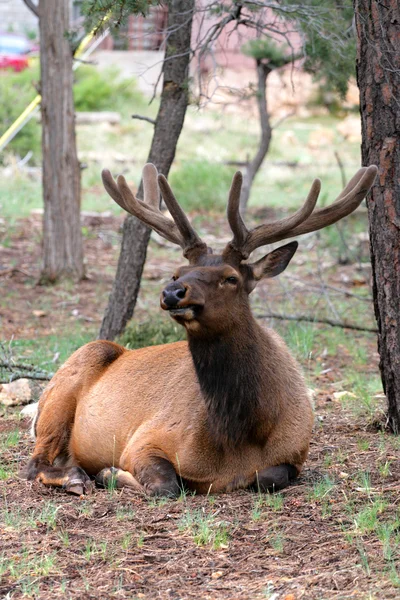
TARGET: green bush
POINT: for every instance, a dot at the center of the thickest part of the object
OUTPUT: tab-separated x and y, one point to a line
152	332
104	90
93	91
16	92
201	185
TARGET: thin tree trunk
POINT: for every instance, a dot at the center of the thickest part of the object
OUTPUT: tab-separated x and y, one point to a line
378	75
168	126
62	236
266	133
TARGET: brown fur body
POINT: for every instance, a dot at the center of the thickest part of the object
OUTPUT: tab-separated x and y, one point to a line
147	403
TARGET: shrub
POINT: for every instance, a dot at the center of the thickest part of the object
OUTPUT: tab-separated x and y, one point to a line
16	92
201	185
104	90
93	90
152	332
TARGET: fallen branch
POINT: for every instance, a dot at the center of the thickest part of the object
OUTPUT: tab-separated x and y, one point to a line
22	370
11	366
12	271
313	320
330	287
276	163
142	118
20	375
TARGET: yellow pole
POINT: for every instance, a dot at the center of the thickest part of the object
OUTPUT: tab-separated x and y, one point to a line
19	123
29	111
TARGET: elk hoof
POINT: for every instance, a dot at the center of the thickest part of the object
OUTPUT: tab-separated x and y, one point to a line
78	483
107	478
167	489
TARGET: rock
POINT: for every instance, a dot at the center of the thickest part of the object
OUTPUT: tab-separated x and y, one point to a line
15	393
30	410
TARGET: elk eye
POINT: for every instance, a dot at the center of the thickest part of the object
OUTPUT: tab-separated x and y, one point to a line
232	280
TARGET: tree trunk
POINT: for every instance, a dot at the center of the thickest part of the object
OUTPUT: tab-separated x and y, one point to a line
62	236
252	168
167	129
378	76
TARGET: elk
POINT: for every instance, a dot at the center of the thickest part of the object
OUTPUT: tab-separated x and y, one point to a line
224	410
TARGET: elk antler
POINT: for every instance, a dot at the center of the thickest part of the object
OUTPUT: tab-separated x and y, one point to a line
179	231
305	220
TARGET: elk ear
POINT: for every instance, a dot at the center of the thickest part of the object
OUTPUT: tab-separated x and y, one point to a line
274	263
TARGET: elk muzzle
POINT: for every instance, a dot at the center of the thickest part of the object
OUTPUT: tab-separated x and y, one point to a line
175	298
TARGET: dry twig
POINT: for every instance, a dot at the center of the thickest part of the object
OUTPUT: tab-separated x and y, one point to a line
310	319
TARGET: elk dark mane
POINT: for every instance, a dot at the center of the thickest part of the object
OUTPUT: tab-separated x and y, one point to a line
230	371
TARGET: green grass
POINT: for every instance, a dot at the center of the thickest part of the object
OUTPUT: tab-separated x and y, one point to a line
300	338
264	503
17	518
154	331
276	540
364	388
85	508
9	440
7	472
373	521
125	513
204	529
54	352
126	541
19	195
321	489
368	519
384	469
201	185
363	445
64	537
48	515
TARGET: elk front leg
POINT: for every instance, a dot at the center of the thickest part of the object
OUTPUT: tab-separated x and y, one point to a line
72	479
156	477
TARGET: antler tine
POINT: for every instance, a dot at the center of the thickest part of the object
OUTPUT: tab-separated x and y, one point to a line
239	229
154	218
189	235
266	234
150	186
357	188
148	214
351	184
112	189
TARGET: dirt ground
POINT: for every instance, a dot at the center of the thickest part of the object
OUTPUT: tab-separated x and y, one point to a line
334	534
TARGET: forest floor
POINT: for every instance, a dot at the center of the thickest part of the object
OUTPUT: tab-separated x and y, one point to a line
335	533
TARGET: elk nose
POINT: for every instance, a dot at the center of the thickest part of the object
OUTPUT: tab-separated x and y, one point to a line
173	293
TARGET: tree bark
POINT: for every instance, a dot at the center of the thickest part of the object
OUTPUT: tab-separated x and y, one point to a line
62	236
252	168
378	76
167	129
